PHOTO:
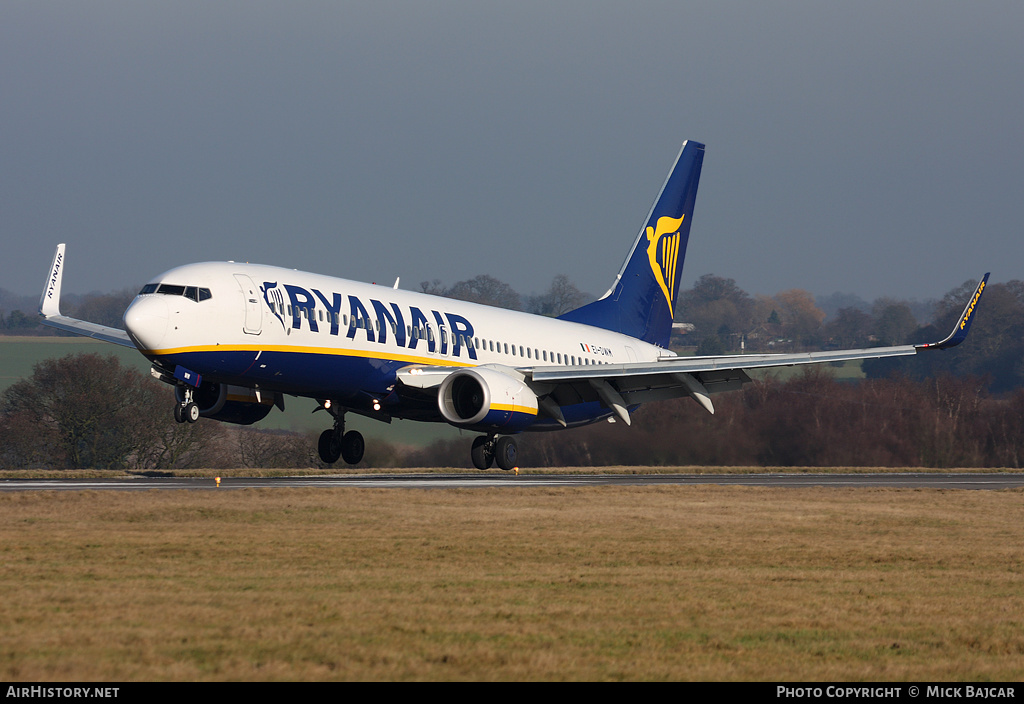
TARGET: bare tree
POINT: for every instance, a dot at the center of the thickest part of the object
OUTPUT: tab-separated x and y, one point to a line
561	297
486	290
85	410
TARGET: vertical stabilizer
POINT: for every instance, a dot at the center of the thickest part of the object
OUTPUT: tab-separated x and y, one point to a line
641	301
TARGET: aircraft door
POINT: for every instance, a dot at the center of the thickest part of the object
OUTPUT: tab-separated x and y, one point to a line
251	296
443	346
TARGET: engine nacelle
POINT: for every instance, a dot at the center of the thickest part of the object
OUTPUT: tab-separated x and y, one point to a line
229	404
485	399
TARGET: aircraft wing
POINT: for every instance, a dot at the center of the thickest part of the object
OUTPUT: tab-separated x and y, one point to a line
624	385
49	309
621	386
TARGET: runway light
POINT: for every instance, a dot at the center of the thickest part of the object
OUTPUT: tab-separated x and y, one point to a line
217	479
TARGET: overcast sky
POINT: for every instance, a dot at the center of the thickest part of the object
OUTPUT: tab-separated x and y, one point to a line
866	147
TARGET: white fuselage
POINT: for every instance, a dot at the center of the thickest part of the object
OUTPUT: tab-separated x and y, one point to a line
327	338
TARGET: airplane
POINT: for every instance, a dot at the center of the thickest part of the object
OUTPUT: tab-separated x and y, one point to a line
234	339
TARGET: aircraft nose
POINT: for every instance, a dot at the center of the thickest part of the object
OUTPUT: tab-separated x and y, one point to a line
145	320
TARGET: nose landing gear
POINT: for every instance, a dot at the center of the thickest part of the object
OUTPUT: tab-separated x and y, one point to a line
187	410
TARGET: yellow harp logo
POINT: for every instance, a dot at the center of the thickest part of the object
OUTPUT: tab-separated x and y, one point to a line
663	251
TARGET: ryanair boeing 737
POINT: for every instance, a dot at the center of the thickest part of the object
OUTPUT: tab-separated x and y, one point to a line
235	339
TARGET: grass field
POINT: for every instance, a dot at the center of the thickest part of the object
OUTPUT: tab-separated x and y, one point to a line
666	583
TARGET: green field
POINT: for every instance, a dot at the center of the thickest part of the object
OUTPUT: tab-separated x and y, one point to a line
19	354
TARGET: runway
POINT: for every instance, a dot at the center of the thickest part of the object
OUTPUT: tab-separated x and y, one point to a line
911	480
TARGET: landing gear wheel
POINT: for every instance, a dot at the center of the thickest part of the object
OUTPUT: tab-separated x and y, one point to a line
352	447
191	412
179	413
482	452
329	446
506	453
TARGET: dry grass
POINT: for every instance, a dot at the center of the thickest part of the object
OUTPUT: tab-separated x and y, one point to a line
676	583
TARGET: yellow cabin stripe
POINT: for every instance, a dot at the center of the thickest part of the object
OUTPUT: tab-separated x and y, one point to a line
331	351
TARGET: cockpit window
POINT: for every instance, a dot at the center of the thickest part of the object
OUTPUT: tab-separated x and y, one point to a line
194	292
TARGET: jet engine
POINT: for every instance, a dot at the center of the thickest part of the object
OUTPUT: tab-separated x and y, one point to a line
229	404
487	400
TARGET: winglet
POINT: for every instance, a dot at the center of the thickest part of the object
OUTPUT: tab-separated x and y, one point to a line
49	302
963	325
49	309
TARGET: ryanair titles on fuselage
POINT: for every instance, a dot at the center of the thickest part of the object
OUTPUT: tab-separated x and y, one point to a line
438	332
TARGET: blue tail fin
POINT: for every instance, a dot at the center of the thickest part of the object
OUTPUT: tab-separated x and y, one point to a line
641	301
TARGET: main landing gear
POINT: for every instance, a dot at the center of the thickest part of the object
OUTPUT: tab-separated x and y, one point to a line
335	443
487	450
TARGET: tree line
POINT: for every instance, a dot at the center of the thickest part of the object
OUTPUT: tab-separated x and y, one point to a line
19	314
961	407
726	319
89	411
